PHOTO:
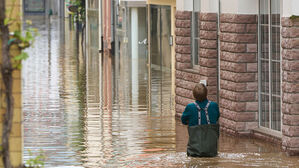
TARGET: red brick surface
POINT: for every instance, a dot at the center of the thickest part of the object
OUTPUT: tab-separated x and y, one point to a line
287	22
208	53
290	54
239	19
183	49
211	26
238	38
290	43
209	35
208	17
181	65
290	65
238	57
238	66
290	76
290	32
208	44
290	86
179	40
183	23
183	32
208	62
183	15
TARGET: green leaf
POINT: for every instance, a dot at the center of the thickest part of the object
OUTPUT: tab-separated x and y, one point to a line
19	66
24	44
29	22
29	36
6	21
21	56
17	34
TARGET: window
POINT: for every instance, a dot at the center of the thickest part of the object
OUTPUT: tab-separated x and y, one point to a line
269	65
195	32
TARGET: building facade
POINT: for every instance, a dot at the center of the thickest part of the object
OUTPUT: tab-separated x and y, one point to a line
246	52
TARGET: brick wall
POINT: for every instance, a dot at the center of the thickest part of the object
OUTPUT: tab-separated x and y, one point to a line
290	85
187	75
238	76
208	54
184	80
183	40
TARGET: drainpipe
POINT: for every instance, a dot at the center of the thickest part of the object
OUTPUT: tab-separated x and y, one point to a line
113	5
100	20
218	49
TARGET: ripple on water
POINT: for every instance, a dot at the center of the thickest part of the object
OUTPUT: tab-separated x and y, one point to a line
81	110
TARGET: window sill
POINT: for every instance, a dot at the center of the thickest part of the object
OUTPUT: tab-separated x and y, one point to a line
268	133
195	69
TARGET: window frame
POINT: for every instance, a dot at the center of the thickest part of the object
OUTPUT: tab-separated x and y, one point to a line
195	35
270	60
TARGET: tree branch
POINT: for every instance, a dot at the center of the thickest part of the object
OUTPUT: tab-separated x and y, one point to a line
6	71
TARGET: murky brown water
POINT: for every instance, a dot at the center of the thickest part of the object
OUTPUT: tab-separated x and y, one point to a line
84	110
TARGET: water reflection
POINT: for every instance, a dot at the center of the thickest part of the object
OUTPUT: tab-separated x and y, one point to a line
52	94
84	109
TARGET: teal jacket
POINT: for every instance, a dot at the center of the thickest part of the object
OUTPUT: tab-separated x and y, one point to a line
190	115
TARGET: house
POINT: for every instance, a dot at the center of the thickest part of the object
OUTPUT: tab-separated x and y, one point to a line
246	52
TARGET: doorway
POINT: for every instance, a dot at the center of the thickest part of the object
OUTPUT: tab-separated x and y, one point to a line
160	46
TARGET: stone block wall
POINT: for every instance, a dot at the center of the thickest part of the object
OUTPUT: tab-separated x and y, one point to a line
238	73
208	52
184	80
186	74
290	85
183	40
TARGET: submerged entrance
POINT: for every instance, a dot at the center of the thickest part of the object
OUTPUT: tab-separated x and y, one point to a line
160	58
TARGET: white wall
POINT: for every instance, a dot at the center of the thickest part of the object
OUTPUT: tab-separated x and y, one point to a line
227	6
184	5
209	6
239	6
290	7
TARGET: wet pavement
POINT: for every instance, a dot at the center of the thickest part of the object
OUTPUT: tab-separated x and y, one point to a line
84	109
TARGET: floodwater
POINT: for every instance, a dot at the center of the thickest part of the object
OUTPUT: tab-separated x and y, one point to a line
84	109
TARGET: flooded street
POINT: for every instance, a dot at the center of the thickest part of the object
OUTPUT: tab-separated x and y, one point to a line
84	109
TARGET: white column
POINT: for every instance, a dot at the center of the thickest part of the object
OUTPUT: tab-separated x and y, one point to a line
134	52
100	18
134	33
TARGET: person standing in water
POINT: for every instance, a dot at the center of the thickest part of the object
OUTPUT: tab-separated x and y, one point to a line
202	117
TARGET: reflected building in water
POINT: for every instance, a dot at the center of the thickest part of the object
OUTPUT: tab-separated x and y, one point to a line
45	7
